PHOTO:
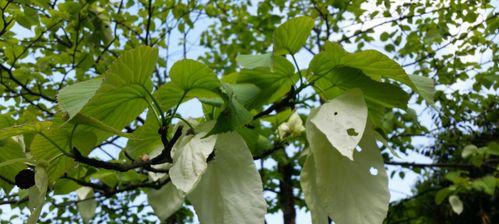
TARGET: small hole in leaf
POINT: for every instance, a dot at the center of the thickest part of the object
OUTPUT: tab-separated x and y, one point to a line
335	113
352	132
373	171
358	149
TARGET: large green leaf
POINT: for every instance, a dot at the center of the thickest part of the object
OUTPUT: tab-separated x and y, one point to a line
349	193
290	36
74	97
123	94
329	76
165	201
309	187
189	160
190	74
231	190
343	120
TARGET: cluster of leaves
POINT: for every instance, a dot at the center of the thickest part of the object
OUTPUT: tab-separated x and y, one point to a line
209	162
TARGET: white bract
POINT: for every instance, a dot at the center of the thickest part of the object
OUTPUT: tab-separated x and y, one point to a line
343	120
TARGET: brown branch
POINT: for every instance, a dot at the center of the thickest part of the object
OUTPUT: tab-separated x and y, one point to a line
123	167
430	165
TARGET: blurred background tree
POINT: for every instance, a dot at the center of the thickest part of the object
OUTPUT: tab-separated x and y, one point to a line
451	145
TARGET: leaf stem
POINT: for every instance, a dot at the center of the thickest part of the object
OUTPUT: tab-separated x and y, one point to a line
297	68
177	106
154	105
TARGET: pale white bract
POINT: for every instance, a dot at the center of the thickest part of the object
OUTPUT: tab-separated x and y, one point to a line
231	190
343	120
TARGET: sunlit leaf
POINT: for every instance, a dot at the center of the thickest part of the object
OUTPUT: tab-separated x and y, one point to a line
290	37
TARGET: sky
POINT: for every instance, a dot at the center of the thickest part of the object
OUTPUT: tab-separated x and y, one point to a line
399	187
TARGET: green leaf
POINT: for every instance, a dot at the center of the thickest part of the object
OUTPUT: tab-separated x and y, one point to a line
12	160
146	139
273	82
376	65
255	61
256	142
231	190
169	95
343	121
456	204
290	36
346	188
425	87
92	122
65	186
87	207
233	116
165	201
33	127
469	150
124	91
245	93
309	187
441	195
37	194
486	184
385	143
43	149
190	74
189	160
330	76
74	97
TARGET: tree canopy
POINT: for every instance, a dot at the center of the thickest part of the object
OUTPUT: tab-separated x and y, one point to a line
299	104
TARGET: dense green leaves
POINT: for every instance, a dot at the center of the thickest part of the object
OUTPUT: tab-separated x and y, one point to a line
254	110
290	37
231	190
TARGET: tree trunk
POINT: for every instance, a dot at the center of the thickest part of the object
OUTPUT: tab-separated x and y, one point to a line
286	196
